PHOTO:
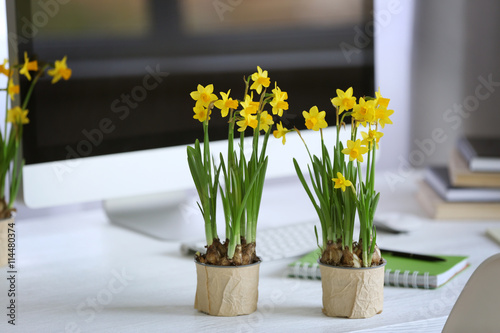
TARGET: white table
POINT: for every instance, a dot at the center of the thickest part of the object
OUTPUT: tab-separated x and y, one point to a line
78	273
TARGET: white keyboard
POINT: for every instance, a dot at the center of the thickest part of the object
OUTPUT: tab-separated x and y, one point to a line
274	243
298	239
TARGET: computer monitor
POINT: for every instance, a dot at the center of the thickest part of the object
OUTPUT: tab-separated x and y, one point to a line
118	129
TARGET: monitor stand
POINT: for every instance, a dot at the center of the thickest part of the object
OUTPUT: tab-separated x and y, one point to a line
166	216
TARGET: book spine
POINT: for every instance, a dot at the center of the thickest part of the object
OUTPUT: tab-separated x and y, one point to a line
466	149
305	271
407	279
396	278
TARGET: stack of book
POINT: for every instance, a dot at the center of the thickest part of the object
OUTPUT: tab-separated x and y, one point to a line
469	187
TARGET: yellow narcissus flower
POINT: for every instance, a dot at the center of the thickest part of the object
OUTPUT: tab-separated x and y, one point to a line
204	94
249	106
17	116
12	89
3	68
381	101
280	132
364	111
341	182
266	120
61	70
344	100
278	103
201	112
355	150
260	79
28	66
248	120
382	116
315	119
226	103
371	137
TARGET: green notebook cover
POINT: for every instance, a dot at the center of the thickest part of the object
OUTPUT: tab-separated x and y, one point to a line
399	271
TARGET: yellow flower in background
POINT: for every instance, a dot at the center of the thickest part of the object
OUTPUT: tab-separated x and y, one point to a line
61	70
226	103
315	119
278	103
260	79
3	68
249	106
12	89
280	132
355	150
17	116
28	66
248	120
382	116
201	112
266	120
204	94
381	101
341	182
364	111
371	137
344	100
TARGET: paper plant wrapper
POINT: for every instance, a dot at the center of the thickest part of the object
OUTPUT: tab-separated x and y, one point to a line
352	292
227	290
4	241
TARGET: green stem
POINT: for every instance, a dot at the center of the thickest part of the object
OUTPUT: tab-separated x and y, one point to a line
32	86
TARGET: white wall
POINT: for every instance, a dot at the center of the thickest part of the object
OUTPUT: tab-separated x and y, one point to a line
4	53
393	42
437	79
456	52
482	60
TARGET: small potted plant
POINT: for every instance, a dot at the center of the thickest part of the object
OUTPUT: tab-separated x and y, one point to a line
352	272
16	116
228	273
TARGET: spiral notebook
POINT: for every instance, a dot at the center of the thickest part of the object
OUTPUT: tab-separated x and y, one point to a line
399	271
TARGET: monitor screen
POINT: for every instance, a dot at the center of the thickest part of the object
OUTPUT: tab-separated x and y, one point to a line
135	62
133	68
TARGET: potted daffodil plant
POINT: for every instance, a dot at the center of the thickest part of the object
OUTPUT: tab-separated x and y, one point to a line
228	272
16	117
341	187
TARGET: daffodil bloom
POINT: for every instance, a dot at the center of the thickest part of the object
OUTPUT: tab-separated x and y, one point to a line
201	112
61	70
28	66
17	116
260	79
280	132
249	106
355	150
341	182
12	89
371	137
315	119
3	68
344	100
278	103
364	111
248	120
204	94
266	120
226	103
381	101
382	116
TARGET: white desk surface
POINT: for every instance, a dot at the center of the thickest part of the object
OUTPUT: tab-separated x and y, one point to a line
79	273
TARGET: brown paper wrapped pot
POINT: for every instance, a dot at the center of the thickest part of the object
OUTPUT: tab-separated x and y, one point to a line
352	292
227	290
4	240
